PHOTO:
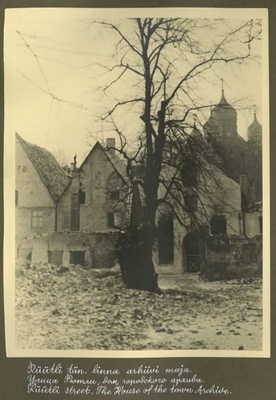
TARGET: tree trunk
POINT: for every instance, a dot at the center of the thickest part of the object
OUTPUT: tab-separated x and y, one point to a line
135	259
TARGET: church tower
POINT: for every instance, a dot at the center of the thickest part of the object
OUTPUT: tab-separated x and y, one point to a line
254	131
254	146
223	119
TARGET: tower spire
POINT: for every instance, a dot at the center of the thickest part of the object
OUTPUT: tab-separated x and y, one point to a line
222	89
255	111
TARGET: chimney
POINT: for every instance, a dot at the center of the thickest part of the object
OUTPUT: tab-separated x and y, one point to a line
110	145
73	165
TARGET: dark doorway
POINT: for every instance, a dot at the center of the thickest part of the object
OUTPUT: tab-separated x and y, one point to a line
77	257
165	240
191	253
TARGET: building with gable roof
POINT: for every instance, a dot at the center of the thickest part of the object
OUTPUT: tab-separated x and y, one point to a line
85	208
69	217
97	198
39	184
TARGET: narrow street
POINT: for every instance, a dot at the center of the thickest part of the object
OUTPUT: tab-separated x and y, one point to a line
71	308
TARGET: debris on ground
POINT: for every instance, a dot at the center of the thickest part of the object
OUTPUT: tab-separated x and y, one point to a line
73	308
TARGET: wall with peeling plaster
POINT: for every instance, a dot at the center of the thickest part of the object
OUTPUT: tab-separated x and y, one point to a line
99	248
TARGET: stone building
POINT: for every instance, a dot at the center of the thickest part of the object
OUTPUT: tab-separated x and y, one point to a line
97	198
211	207
39	184
72	216
217	218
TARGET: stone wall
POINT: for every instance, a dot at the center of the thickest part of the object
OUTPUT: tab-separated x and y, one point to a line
92	250
223	257
229	257
253	224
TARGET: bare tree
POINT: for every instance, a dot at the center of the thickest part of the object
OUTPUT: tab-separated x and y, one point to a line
166	60
61	157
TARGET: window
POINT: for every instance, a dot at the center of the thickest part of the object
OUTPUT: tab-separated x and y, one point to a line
37	219
191	202
77	257
82	196
55	257
111	219
114	185
218	225
165	240
114	195
114	219
16	197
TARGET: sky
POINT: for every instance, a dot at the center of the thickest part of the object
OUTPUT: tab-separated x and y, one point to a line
53	66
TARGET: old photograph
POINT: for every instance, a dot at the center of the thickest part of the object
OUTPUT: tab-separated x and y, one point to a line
136	182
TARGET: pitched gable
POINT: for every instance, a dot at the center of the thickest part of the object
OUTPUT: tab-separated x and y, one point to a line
118	164
50	172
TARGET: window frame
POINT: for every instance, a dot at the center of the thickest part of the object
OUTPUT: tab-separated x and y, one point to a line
37	221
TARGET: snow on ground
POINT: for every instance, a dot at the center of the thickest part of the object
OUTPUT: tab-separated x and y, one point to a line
73	308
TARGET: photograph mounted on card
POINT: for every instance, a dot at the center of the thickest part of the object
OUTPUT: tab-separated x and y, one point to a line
137	149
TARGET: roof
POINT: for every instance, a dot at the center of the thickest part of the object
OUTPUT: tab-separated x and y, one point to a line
118	164
51	173
255	129
223	103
